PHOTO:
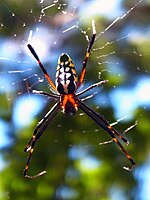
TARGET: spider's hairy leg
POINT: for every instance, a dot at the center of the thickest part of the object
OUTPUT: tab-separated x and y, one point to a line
39	130
90	44
92	86
93	115
110	127
50	114
41	66
46	94
107	124
119	135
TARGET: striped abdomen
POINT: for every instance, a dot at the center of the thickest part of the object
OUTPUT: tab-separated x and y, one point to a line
66	76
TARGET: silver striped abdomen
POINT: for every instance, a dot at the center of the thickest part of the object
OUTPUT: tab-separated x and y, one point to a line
66	76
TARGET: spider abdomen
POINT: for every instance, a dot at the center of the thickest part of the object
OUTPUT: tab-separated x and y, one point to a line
66	76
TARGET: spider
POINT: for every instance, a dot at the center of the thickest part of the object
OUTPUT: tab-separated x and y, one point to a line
65	91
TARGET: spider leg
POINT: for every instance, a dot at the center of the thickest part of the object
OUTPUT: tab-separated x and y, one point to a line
103	123
91	42
41	66
46	94
39	130
107	124
91	87
40	123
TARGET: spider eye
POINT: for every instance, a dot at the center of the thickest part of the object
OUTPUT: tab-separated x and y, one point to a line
70	109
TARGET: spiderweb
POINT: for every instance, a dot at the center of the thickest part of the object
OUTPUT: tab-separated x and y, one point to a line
53	27
53	23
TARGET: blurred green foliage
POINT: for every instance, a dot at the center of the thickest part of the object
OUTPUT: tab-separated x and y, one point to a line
69	178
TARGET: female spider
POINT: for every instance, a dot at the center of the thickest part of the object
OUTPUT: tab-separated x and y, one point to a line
65	91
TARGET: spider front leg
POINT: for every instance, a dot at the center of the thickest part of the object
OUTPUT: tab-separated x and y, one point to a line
100	117
103	123
39	130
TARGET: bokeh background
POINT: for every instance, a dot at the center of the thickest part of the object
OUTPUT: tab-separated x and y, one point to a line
78	165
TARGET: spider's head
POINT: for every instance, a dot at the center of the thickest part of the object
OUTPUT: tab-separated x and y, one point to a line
69	104
70	109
